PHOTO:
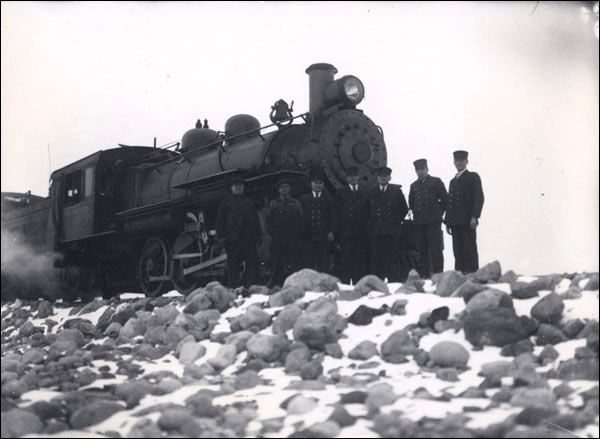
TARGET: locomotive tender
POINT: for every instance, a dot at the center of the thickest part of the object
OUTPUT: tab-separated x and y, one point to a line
142	218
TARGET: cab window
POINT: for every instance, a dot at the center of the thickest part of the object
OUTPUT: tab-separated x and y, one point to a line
73	187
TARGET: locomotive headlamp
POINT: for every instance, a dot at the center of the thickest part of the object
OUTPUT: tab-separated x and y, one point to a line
348	90
353	89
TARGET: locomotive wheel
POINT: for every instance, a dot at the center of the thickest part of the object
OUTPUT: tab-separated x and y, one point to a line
154	262
186	243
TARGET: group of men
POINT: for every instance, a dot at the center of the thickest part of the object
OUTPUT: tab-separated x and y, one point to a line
366	224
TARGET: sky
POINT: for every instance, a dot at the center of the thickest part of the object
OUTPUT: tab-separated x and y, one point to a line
515	84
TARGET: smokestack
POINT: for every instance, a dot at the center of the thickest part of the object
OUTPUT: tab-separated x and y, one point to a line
319	76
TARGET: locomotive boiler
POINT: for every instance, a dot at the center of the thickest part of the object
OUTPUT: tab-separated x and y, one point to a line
137	217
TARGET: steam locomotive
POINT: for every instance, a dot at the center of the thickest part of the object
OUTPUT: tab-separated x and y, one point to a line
142	217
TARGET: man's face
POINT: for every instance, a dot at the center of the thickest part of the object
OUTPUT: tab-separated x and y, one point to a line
284	189
383	179
422	172
460	164
352	179
317	186
237	188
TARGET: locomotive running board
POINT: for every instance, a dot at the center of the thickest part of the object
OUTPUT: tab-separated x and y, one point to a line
202	265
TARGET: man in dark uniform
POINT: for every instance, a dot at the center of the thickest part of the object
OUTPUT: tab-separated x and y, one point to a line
428	200
238	225
284	223
351	230
317	207
462	217
385	207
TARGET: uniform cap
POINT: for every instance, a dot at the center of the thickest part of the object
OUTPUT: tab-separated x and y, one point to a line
316	178
282	181
461	155
421	163
236	180
385	171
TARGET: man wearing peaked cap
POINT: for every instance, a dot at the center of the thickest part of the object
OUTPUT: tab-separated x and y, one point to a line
351	229
428	200
385	208
238	226
465	203
319	225
284	221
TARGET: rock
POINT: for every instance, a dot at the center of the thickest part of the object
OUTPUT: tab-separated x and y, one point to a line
363	315
17	423
548	334
449	282
207	317
132	392
572	328
447	374
399	342
576	369
258	289
33	356
341	417
113	330
449	354
355	397
93	413
325	429
265	347
535	415
399	307
144	428
44	309
413	284
496	327
85	326
489	299
47	409
526	375
123	315
156	335
190	352
515	349
300	405
26	329
72	335
548	355
173	418
421	357
13	389
534	397
370	283
510	277
169	385
240	339
220	297
286	319
590	327
468	289
548	309
379	395
296	360
247	380
166	314
286	296
363	351
255	317
437	315
312	370
311	280
489	273
573	293
105	319
334	350
592	284
319	325
592	342
225	357
523	290
392	425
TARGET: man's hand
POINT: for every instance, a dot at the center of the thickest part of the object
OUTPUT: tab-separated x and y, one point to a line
448	230
473	223
330	237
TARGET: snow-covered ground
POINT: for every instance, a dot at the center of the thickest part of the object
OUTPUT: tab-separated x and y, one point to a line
391	399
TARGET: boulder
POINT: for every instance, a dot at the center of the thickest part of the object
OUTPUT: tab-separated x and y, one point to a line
265	347
311	280
370	283
286	319
496	327
489	299
363	351
548	334
468	289
548	309
17	423
510	277
489	273
398	343
296	360
190	352
286	296
449	354
255	317
93	413
449	282
225	357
